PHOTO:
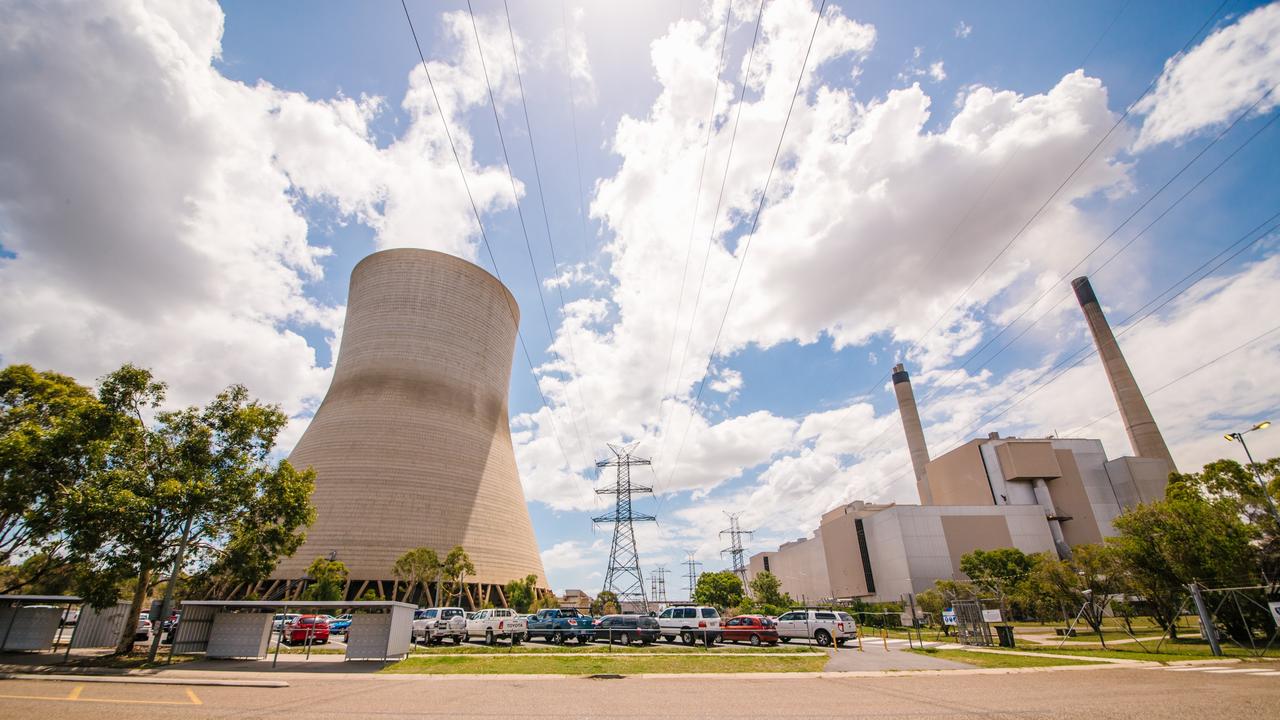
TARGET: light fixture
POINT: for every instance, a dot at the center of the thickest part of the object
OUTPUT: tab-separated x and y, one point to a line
1262	425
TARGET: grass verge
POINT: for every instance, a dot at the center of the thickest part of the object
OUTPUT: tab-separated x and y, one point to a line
1168	653
999	660
619	664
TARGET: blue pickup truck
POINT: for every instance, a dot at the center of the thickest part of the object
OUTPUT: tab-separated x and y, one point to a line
559	625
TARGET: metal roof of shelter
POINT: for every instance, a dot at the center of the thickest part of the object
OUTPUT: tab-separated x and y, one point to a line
272	604
68	599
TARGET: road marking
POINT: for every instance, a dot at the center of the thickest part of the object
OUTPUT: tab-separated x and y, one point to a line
75	697
194	700
1193	669
1220	671
75	692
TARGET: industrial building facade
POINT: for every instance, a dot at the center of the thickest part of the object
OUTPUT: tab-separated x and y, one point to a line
412	446
1038	495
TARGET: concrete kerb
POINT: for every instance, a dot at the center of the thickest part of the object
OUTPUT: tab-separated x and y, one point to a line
144	680
1089	658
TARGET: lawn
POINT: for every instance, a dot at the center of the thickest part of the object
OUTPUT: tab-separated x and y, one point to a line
994	660
1169	652
594	664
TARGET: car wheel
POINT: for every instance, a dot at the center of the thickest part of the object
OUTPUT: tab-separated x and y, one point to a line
669	638
687	638
645	643
488	637
823	637
785	640
583	639
559	640
624	639
457	639
755	641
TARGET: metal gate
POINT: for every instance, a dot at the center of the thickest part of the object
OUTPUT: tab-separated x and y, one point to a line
971	629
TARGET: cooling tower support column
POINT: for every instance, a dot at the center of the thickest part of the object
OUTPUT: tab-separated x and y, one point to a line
1144	434
915	432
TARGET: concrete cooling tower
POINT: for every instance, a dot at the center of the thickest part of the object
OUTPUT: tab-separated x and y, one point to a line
412	446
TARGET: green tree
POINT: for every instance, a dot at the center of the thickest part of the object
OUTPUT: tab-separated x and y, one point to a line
1003	572
190	485
1087	582
719	589
328	580
768	596
606	603
456	568
932	603
522	594
53	433
419	566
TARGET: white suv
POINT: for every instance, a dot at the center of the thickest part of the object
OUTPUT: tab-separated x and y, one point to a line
690	623
497	623
436	624
824	626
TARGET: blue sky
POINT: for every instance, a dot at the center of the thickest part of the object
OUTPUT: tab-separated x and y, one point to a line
282	142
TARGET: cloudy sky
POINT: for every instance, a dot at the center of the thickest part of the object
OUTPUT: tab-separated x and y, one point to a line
739	218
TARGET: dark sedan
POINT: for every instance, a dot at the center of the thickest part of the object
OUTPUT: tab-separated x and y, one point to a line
626	629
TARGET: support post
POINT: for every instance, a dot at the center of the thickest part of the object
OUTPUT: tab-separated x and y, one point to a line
1206	621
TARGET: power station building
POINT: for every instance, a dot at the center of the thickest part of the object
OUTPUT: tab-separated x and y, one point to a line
1037	495
411	445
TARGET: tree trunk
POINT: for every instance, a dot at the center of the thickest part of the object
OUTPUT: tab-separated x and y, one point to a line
125	646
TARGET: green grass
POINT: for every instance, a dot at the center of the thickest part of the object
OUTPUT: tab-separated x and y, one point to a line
995	660
1169	652
620	664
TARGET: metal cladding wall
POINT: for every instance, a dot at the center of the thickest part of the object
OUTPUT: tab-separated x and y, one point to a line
412	446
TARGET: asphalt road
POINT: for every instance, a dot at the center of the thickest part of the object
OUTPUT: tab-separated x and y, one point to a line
1113	692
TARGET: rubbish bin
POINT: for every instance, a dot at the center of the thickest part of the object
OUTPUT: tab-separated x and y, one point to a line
1006	635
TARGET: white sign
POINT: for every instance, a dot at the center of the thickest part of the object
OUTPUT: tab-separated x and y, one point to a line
991	616
949	616
1275	612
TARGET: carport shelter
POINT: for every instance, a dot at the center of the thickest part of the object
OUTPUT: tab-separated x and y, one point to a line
380	629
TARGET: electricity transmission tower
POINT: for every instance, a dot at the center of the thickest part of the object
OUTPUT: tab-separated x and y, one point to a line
735	550
659	585
692	573
623	577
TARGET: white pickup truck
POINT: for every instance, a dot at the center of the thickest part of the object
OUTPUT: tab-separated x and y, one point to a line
433	625
497	623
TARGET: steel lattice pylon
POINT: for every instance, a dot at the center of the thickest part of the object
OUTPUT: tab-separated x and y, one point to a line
691	567
623	577
735	548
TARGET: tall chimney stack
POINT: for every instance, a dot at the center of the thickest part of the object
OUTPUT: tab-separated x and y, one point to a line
915	433
1144	435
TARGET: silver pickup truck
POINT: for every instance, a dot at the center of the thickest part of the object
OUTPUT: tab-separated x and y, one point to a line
435	624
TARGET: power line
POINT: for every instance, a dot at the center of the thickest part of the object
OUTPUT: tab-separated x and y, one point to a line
697	202
546	222
755	220
1129	109
573	123
735	551
515	198
479	224
706	259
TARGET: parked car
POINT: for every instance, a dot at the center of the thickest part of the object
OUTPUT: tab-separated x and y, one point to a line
436	624
306	628
755	629
282	619
497	623
690	623
340	624
626	629
823	626
559	625
71	616
143	631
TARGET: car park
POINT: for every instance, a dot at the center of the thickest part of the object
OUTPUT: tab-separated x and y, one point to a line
690	623
754	629
433	625
306	629
822	626
559	625
626	629
497	623
340	624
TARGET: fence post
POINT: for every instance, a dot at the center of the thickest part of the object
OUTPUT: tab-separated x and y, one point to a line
1206	622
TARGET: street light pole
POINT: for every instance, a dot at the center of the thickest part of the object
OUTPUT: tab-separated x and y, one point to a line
1253	467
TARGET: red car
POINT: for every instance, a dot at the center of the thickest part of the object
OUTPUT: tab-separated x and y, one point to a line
299	629
755	629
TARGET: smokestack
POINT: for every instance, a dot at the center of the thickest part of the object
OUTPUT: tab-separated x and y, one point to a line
915	433
1144	435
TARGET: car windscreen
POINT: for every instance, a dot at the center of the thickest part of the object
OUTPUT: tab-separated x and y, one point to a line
648	622
845	617
450	613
